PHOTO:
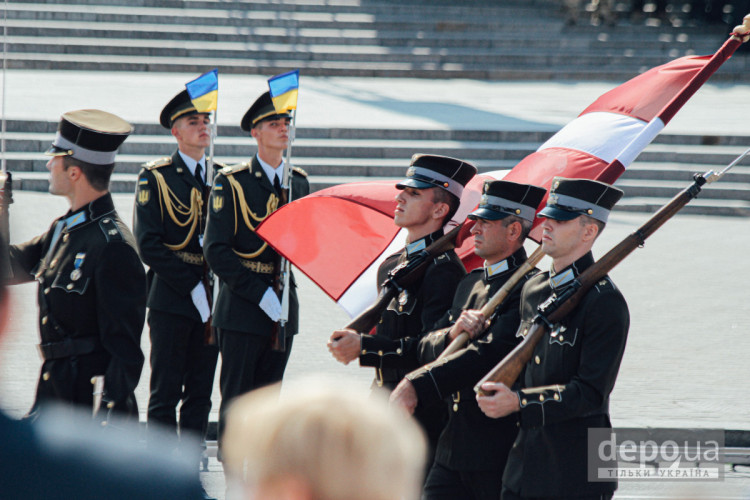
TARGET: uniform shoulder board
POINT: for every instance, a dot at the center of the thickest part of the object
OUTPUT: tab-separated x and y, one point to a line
219	166
161	162
110	229
299	171
233	169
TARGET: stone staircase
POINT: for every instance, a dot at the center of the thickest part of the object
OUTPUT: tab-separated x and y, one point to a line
480	39
332	156
440	39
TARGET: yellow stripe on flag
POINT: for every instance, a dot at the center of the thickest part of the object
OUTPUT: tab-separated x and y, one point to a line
206	102
285	101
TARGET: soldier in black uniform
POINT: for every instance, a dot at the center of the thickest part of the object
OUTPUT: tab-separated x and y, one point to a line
473	448
168	222
429	197
247	307
92	286
565	388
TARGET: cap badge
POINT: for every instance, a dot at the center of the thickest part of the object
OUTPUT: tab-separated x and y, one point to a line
410	172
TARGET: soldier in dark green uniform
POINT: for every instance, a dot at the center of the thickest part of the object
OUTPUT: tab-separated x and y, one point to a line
473	448
565	388
247	307
428	198
92	286
168	222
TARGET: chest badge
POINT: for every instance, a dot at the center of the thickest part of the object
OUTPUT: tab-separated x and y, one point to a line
75	274
403	298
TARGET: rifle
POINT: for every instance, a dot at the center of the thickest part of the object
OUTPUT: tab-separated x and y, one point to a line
555	308
283	269
496	300
403	275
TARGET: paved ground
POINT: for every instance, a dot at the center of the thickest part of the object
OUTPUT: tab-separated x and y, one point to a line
685	361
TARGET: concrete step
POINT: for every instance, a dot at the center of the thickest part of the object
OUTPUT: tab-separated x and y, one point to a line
93	62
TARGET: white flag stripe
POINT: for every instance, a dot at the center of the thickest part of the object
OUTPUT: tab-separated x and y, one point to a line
598	133
634	148
362	293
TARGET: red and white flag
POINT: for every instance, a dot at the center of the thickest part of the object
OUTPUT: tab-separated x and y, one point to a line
338	236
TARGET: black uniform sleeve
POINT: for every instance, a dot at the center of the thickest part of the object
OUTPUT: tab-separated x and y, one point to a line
606	323
436	293
148	228
464	368
24	258
121	311
218	243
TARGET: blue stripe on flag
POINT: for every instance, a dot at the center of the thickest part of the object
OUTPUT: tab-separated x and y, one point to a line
207	82
283	83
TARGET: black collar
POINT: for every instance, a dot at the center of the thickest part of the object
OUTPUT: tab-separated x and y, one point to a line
560	280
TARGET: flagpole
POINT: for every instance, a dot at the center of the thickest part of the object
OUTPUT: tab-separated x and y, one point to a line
5	66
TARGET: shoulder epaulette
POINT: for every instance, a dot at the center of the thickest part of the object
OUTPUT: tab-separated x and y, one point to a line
300	171
110	229
158	163
233	169
219	166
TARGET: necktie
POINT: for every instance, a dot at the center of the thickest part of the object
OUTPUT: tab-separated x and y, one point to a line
199	177
276	183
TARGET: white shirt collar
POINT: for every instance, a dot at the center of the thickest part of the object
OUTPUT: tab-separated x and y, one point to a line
272	172
191	163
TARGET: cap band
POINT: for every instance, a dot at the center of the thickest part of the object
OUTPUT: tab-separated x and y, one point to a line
83	154
570	204
506	206
439	180
182	112
270	113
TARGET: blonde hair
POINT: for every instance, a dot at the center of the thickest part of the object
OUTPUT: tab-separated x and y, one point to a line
341	442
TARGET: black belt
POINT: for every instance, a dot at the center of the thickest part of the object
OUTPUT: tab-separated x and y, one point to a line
69	347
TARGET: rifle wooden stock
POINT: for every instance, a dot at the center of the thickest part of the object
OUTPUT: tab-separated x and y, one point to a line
497	299
401	276
555	309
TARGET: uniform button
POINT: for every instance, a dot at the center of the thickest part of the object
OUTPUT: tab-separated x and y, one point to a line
106	221
399	351
44	320
46	291
523	402
562	338
66	237
380	353
455	407
53	263
111	404
541	397
400	308
93	380
556	396
70	286
537	359
525	331
45	376
364	351
518	424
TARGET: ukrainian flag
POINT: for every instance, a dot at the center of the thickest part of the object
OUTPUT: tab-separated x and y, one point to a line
283	89
204	91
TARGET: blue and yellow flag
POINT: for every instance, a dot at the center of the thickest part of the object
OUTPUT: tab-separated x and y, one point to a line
283	89
204	91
